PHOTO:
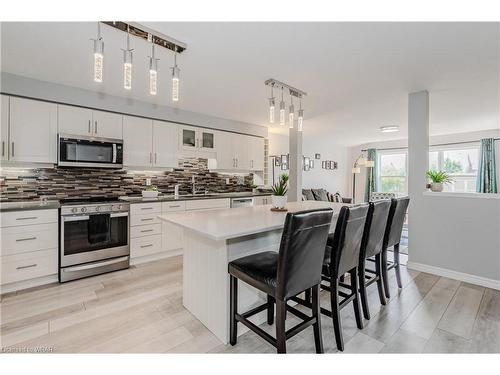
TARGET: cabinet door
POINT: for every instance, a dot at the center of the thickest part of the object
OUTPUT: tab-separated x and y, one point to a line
137	138
206	139
225	154
4	128
256	154
74	120
164	144
33	131
188	138
171	236
241	144
107	125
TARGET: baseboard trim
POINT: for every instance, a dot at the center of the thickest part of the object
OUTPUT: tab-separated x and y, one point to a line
461	276
156	256
27	284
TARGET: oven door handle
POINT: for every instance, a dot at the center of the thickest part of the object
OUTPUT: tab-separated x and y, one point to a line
76	218
94	265
119	214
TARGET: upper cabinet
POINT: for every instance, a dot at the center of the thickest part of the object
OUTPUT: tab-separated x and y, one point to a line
148	143
196	139
239	152
32	131
4	127
256	153
88	122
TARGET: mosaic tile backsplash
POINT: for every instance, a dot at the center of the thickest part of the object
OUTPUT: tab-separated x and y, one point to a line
58	183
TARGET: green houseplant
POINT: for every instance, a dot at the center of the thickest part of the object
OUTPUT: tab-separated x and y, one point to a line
438	179
279	190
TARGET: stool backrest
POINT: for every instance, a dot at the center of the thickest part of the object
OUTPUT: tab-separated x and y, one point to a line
376	222
347	238
302	250
395	221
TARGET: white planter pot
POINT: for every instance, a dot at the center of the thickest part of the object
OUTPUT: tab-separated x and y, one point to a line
149	194
437	187
279	201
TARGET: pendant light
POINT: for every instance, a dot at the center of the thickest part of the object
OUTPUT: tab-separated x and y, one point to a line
271	107
127	64
282	109
291	113
98	55
300	118
175	79
153	70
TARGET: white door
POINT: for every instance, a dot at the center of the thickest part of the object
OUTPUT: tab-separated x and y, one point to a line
256	154
74	120
4	128
165	144
225	153
33	131
188	138
137	141
107	124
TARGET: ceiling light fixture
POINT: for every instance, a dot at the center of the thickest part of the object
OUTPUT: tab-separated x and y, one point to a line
175	79
98	55
271	107
291	113
389	129
300	118
153	70
282	109
127	64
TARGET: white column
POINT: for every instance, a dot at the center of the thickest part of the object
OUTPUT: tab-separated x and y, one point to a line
418	164
295	175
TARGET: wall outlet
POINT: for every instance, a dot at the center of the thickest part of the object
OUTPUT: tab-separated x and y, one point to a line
148	181
227	181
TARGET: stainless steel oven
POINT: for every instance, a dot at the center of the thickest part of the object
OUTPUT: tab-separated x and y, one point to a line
94	239
82	151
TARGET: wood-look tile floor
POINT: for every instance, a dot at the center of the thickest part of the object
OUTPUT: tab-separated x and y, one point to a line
140	310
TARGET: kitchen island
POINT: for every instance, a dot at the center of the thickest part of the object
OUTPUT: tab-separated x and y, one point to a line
211	240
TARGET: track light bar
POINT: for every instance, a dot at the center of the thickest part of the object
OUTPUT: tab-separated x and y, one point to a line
143	32
293	91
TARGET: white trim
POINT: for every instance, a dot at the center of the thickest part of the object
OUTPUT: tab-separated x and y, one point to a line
26	284
466	277
462	195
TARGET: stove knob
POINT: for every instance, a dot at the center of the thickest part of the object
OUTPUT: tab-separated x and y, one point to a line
84	209
74	209
97	209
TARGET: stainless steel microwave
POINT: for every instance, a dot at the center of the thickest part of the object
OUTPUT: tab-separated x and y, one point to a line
93	152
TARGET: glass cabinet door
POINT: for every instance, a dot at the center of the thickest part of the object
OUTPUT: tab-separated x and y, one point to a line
188	138
207	140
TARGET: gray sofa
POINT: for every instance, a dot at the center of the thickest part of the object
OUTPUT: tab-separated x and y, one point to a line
323	195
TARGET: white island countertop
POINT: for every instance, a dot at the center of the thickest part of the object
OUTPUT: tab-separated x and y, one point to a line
224	224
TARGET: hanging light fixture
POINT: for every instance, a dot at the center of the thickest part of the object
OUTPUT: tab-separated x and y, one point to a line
271	107
175	79
98	55
291	113
300	118
153	70
282	109
127	64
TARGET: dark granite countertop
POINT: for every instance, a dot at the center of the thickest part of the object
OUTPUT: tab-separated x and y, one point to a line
28	205
166	198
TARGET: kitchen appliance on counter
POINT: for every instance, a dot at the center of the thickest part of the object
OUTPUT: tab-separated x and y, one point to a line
242	202
92	152
93	237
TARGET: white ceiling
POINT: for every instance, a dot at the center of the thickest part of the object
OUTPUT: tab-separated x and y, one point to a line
357	75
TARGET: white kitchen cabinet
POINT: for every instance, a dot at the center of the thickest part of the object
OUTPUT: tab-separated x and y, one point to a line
256	153
241	147
262	200
164	144
232	151
137	141
4	127
32	131
197	139
88	122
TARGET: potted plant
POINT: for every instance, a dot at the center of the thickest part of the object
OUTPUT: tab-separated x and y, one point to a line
438	179
151	191
279	190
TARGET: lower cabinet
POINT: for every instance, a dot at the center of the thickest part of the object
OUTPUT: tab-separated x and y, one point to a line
262	200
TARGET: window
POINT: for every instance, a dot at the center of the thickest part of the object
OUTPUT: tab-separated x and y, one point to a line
393	173
460	162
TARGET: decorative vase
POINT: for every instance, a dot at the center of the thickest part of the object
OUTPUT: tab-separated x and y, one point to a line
437	187
278	201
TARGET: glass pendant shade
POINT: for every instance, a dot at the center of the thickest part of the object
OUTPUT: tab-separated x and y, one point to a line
271	110
175	83
291	116
127	69
98	59
300	120
153	76
282	113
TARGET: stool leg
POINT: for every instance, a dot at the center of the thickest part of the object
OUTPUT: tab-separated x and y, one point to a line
307	295
270	310
355	301
233	309
337	324
362	289
280	326
385	278
396	266
378	273
318	339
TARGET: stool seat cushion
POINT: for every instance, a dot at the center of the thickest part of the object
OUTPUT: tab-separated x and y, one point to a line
258	270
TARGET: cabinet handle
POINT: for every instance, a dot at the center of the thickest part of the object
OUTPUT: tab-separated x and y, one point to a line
146	208
95	127
26	239
12	149
147	230
3	148
150	158
155	157
89	127
28	266
151	218
27	218
148	245
236	162
174	206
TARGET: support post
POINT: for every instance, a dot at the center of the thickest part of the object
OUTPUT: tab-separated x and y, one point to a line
295	165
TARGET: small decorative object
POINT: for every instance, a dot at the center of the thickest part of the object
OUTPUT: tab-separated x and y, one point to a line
329	165
306	163
317	156
323	164
311	164
279	190
284	159
335	165
284	167
150	192
277	161
438	179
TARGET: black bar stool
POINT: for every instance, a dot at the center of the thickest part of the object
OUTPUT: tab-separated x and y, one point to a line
341	257
392	238
371	249
296	268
